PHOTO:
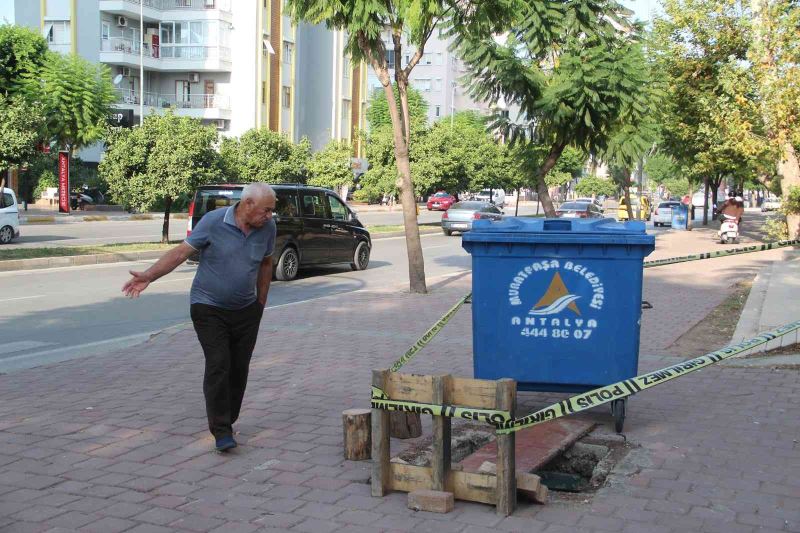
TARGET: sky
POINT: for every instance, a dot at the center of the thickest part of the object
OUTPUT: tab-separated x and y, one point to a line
643	9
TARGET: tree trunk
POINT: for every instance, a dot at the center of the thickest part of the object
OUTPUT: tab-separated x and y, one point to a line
416	261
789	168
405	425
516	209
165	227
357	434
705	201
689	212
541	184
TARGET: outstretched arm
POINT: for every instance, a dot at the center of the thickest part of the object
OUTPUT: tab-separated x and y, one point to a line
166	264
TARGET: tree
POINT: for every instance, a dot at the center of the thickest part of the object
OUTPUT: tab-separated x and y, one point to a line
20	130
167	156
661	167
407	24
264	155
77	96
568	68
378	110
593	186
23	53
332	166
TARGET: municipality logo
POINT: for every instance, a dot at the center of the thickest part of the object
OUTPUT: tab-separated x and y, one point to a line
555	299
563	310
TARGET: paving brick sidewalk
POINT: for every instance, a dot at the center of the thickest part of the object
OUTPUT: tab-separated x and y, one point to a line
118	443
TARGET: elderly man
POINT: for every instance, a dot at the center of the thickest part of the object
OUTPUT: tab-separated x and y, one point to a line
228	297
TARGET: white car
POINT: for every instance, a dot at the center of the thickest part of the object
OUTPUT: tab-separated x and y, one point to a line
498	197
9	216
771	204
662	216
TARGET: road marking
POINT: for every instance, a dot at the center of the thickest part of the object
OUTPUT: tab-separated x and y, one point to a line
20	346
438	246
22	298
403	237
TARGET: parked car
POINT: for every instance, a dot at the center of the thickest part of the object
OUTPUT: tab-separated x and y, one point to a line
315	226
771	204
461	216
441	201
9	216
643	210
495	196
579	210
662	216
596	201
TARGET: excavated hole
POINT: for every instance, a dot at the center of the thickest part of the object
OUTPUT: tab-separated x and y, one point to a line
465	439
583	467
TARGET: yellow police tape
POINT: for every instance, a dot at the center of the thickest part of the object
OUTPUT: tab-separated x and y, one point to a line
580	402
594	397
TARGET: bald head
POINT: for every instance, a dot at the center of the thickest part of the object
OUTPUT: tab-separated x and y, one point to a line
257	191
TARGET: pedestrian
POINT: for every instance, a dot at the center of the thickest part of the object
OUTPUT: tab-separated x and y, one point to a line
227	298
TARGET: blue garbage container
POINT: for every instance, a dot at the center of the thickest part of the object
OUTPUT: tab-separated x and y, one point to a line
556	303
680	216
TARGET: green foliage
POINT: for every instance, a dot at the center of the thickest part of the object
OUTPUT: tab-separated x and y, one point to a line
77	97
22	54
20	125
557	178
265	155
661	167
378	110
592	186
791	201
677	187
572	161
165	157
777	228
46	179
331	166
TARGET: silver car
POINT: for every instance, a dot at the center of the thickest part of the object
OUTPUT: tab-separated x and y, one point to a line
662	216
462	214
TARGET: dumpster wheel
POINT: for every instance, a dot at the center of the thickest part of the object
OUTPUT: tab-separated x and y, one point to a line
618	412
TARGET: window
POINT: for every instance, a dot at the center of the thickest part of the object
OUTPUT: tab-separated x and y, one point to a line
6	200
390	58
208	4
338	209
266	47
438	110
288	48
346	109
346	67
286	97
437	58
437	84
423	85
105	32
57	32
263	92
427	59
406	60
313	206
286	203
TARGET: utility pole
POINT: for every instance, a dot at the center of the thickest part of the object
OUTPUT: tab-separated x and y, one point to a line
141	62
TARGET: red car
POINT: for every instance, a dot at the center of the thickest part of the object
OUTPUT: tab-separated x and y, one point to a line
441	201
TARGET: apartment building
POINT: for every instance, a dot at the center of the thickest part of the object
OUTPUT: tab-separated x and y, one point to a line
437	76
236	64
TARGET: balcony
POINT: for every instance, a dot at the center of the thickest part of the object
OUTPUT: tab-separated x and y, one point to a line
154	10
166	58
202	106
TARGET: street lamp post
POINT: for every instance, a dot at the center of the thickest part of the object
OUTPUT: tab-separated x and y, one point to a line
141	62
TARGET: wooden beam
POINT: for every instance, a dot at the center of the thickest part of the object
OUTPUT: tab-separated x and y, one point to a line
479	393
380	441
506	475
468	486
440	458
409	387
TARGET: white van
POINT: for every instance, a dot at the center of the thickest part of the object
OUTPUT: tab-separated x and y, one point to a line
498	197
9	216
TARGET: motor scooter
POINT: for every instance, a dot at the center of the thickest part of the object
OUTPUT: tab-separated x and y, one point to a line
729	230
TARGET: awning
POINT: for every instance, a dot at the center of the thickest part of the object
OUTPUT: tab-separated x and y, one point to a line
268	47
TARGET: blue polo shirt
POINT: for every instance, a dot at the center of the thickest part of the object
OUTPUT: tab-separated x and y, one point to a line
229	260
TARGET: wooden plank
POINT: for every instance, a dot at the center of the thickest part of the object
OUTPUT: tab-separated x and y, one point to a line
409	387
440	457
381	482
478	393
409	478
467	486
474	487
506	469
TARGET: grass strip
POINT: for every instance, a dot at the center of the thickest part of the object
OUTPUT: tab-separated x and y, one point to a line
63	251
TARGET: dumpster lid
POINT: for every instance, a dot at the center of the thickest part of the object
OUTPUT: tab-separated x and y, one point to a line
599	230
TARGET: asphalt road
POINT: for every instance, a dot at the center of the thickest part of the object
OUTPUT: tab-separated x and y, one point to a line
62	313
91	233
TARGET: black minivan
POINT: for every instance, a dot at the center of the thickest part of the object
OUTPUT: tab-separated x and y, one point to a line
315	227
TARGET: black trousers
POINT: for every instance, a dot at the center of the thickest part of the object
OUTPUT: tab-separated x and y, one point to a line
228	339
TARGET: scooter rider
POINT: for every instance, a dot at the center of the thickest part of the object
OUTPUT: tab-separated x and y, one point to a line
733	208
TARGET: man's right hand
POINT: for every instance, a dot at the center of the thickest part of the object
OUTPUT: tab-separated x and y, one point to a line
136	284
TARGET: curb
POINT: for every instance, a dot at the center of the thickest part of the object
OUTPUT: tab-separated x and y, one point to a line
12	265
40	220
